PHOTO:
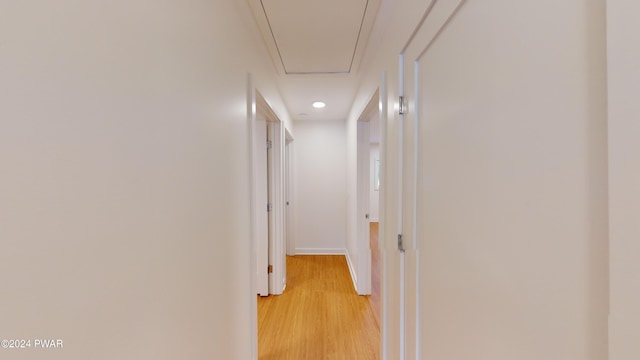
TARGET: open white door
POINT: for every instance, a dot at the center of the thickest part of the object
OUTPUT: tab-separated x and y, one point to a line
486	174
288	193
269	160
363	286
413	169
389	217
271	197
276	168
261	201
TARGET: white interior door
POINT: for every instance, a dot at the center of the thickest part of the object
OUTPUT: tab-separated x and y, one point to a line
261	201
489	165
391	315
415	169
272	193
277	215
269	155
289	237
364	249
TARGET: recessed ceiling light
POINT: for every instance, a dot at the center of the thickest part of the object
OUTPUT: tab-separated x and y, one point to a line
319	104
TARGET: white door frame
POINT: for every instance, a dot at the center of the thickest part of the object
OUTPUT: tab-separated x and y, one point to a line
258	107
289	195
276	249
260	195
434	21
272	184
253	271
363	285
387	229
391	339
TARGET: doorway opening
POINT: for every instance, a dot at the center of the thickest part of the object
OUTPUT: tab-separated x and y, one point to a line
270	152
368	203
269	180
288	194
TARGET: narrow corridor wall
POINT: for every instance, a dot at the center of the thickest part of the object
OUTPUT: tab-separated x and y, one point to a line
320	167
124	196
523	264
624	177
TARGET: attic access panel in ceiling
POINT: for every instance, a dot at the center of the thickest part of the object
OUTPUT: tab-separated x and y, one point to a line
316	37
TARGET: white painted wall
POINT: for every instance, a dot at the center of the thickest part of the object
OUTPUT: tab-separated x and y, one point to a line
514	184
379	73
525	146
124	202
320	221
624	177
352	210
374	195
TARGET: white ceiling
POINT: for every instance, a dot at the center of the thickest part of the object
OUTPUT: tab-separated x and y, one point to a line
316	47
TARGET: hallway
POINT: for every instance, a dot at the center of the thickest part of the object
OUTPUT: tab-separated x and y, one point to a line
319	316
508	185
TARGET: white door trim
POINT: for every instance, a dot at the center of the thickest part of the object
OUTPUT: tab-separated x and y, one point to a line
253	281
277	250
257	107
436	17
289	194
362	278
260	181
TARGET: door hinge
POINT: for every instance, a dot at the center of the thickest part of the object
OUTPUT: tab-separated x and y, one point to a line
269	144
269	207
402	108
400	243
270	269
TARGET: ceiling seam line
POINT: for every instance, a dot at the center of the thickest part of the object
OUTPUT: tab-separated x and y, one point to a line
284	67
422	20
355	49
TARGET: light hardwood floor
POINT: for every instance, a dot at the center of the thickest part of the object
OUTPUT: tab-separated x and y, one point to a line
319	316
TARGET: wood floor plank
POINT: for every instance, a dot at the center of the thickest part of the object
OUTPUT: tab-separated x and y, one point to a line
319	316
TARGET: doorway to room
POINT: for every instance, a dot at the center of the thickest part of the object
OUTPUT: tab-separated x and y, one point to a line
368	202
287	331
269	198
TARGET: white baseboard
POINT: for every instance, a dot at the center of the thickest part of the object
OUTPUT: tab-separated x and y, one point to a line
354	276
320	251
329	251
